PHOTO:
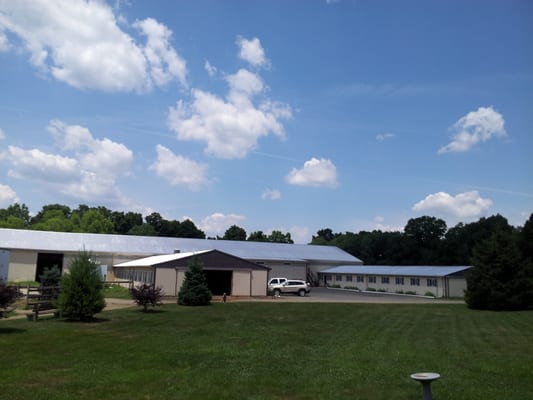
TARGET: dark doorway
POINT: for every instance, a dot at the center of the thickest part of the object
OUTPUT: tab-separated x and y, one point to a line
48	260
219	282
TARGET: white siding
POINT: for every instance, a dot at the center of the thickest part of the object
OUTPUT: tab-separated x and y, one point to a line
166	279
241	284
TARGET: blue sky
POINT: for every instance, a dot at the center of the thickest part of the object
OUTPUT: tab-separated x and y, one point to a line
287	115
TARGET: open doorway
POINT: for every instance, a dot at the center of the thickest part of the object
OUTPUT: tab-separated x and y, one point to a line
219	282
48	260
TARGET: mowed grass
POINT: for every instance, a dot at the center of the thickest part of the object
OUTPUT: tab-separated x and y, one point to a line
271	351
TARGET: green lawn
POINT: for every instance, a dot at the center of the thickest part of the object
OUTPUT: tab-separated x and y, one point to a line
271	351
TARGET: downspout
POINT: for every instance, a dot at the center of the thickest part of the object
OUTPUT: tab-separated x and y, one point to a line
251	278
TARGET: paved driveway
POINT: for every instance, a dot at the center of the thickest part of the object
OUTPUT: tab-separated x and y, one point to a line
320	294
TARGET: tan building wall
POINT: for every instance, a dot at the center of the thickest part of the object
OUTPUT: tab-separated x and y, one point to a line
420	285
456	287
22	265
259	281
166	279
241	283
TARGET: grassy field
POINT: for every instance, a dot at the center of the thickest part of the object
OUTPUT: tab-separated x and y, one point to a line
271	351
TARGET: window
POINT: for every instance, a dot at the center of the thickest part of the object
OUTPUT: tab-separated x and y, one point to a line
399	280
360	278
328	277
371	279
432	282
348	278
338	278
415	281
384	279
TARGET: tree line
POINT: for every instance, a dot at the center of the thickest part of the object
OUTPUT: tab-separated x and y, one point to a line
85	219
426	241
501	255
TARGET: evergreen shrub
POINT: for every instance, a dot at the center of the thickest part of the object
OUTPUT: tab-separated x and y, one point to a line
81	289
194	290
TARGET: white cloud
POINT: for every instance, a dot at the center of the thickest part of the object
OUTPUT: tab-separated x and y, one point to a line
384	136
315	172
252	52
80	43
37	165
380	225
101	156
244	84
270	194
4	43
7	196
211	70
165	64
230	128
87	169
178	170
217	223
463	205
474	127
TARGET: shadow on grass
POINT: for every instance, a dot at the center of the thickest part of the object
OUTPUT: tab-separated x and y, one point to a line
11	331
151	311
94	320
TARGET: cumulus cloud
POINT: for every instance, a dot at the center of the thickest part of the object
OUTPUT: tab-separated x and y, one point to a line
86	169
315	172
463	205
217	223
271	194
475	127
165	64
179	170
4	43
232	127
252	52
80	43
384	136
211	70
7	196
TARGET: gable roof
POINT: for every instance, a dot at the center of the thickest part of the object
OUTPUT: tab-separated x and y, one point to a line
388	270
156	260
149	245
212	259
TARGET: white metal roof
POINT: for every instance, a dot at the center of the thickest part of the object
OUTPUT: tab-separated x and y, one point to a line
154	260
387	270
150	245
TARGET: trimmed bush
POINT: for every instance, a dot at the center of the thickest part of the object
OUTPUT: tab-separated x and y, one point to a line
147	295
382	291
194	290
371	289
81	295
410	292
430	294
351	287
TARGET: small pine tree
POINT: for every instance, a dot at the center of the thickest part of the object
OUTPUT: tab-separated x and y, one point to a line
194	290
147	295
81	294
